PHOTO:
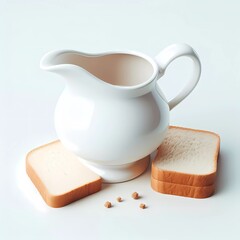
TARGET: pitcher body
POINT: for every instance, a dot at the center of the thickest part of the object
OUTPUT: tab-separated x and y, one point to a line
112	112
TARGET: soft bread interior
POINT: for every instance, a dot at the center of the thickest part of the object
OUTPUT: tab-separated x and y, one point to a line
59	170
188	151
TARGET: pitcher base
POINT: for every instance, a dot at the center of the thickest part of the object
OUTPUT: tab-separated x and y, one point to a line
118	173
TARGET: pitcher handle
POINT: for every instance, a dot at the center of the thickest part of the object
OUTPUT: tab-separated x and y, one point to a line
167	55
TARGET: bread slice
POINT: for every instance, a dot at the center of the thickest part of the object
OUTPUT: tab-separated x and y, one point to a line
182	190
188	157
59	176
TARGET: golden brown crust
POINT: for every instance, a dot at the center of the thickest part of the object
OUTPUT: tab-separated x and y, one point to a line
57	201
182	190
185	178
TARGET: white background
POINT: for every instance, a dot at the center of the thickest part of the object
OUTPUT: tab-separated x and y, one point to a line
28	29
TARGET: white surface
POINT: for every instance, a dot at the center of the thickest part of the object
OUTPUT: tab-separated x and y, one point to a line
28	96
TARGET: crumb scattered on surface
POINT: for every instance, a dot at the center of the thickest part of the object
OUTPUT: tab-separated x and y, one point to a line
119	199
135	195
107	204
142	205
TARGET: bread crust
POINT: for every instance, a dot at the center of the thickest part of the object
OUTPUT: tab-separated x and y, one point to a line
197	180
182	190
57	201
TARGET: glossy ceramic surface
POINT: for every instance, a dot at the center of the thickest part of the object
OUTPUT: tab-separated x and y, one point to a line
112	112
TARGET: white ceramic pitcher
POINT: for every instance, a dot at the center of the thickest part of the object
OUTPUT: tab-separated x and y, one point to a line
112	113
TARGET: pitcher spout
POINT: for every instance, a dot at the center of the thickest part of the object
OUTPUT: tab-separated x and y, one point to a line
127	73
70	65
